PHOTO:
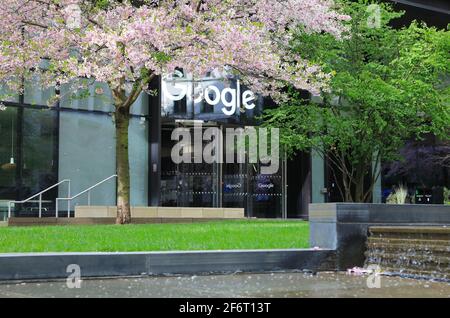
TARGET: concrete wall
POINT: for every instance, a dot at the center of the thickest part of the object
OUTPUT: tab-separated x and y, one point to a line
344	226
46	266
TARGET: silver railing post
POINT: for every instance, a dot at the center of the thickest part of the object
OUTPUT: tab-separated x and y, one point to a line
40	206
89	198
9	210
56	207
68	201
68	208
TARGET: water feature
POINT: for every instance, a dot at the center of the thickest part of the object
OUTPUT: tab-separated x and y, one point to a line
412	251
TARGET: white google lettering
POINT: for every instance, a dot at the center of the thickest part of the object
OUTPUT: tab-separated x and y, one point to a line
230	97
265	186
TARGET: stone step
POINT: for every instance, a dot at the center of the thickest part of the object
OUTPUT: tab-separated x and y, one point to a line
396	256
381	230
408	248
419	236
383	240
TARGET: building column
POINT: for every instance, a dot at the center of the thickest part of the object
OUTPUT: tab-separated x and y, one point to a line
154	196
317	178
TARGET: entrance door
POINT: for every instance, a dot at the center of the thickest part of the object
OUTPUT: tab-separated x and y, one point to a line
231	185
187	184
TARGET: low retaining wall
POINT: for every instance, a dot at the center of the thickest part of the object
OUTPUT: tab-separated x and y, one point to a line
45	266
160	212
103	221
344	226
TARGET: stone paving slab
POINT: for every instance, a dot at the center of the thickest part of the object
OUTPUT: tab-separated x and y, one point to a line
288	284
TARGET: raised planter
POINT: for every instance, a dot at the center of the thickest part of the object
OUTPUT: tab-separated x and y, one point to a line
54	265
344	226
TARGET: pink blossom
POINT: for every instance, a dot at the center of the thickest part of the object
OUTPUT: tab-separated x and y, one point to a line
125	44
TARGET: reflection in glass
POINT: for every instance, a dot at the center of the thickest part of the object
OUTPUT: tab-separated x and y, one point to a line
28	137
186	184
8	148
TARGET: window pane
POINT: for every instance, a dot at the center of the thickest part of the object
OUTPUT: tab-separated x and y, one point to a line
34	94
87	156
97	97
138	139
38	147
8	95
140	106
8	149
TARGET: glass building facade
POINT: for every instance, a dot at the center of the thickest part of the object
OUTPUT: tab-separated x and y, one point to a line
75	140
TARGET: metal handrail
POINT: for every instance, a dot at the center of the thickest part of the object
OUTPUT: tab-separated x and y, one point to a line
88	191
40	197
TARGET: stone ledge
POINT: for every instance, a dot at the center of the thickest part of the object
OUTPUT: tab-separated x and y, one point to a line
54	265
160	212
410	229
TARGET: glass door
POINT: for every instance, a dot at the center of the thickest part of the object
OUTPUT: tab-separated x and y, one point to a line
187	184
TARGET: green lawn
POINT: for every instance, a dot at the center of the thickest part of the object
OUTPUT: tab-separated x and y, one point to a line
254	234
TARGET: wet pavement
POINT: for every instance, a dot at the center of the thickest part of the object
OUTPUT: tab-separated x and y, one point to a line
237	285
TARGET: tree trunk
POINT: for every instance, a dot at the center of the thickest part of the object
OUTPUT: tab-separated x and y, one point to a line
122	117
359	185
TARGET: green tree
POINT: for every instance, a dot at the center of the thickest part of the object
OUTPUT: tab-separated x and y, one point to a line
388	86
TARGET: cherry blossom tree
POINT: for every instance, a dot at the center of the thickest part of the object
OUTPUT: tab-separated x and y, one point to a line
126	44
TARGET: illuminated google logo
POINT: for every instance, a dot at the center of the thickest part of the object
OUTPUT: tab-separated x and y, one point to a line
230	98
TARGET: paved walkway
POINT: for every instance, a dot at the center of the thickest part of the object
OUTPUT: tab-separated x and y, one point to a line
240	285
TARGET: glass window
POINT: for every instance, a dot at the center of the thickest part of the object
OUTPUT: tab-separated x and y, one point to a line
8	161
97	97
38	166
8	153
27	158
87	155
8	95
138	139
35	94
140	106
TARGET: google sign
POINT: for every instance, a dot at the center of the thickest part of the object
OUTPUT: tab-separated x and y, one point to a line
230	98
